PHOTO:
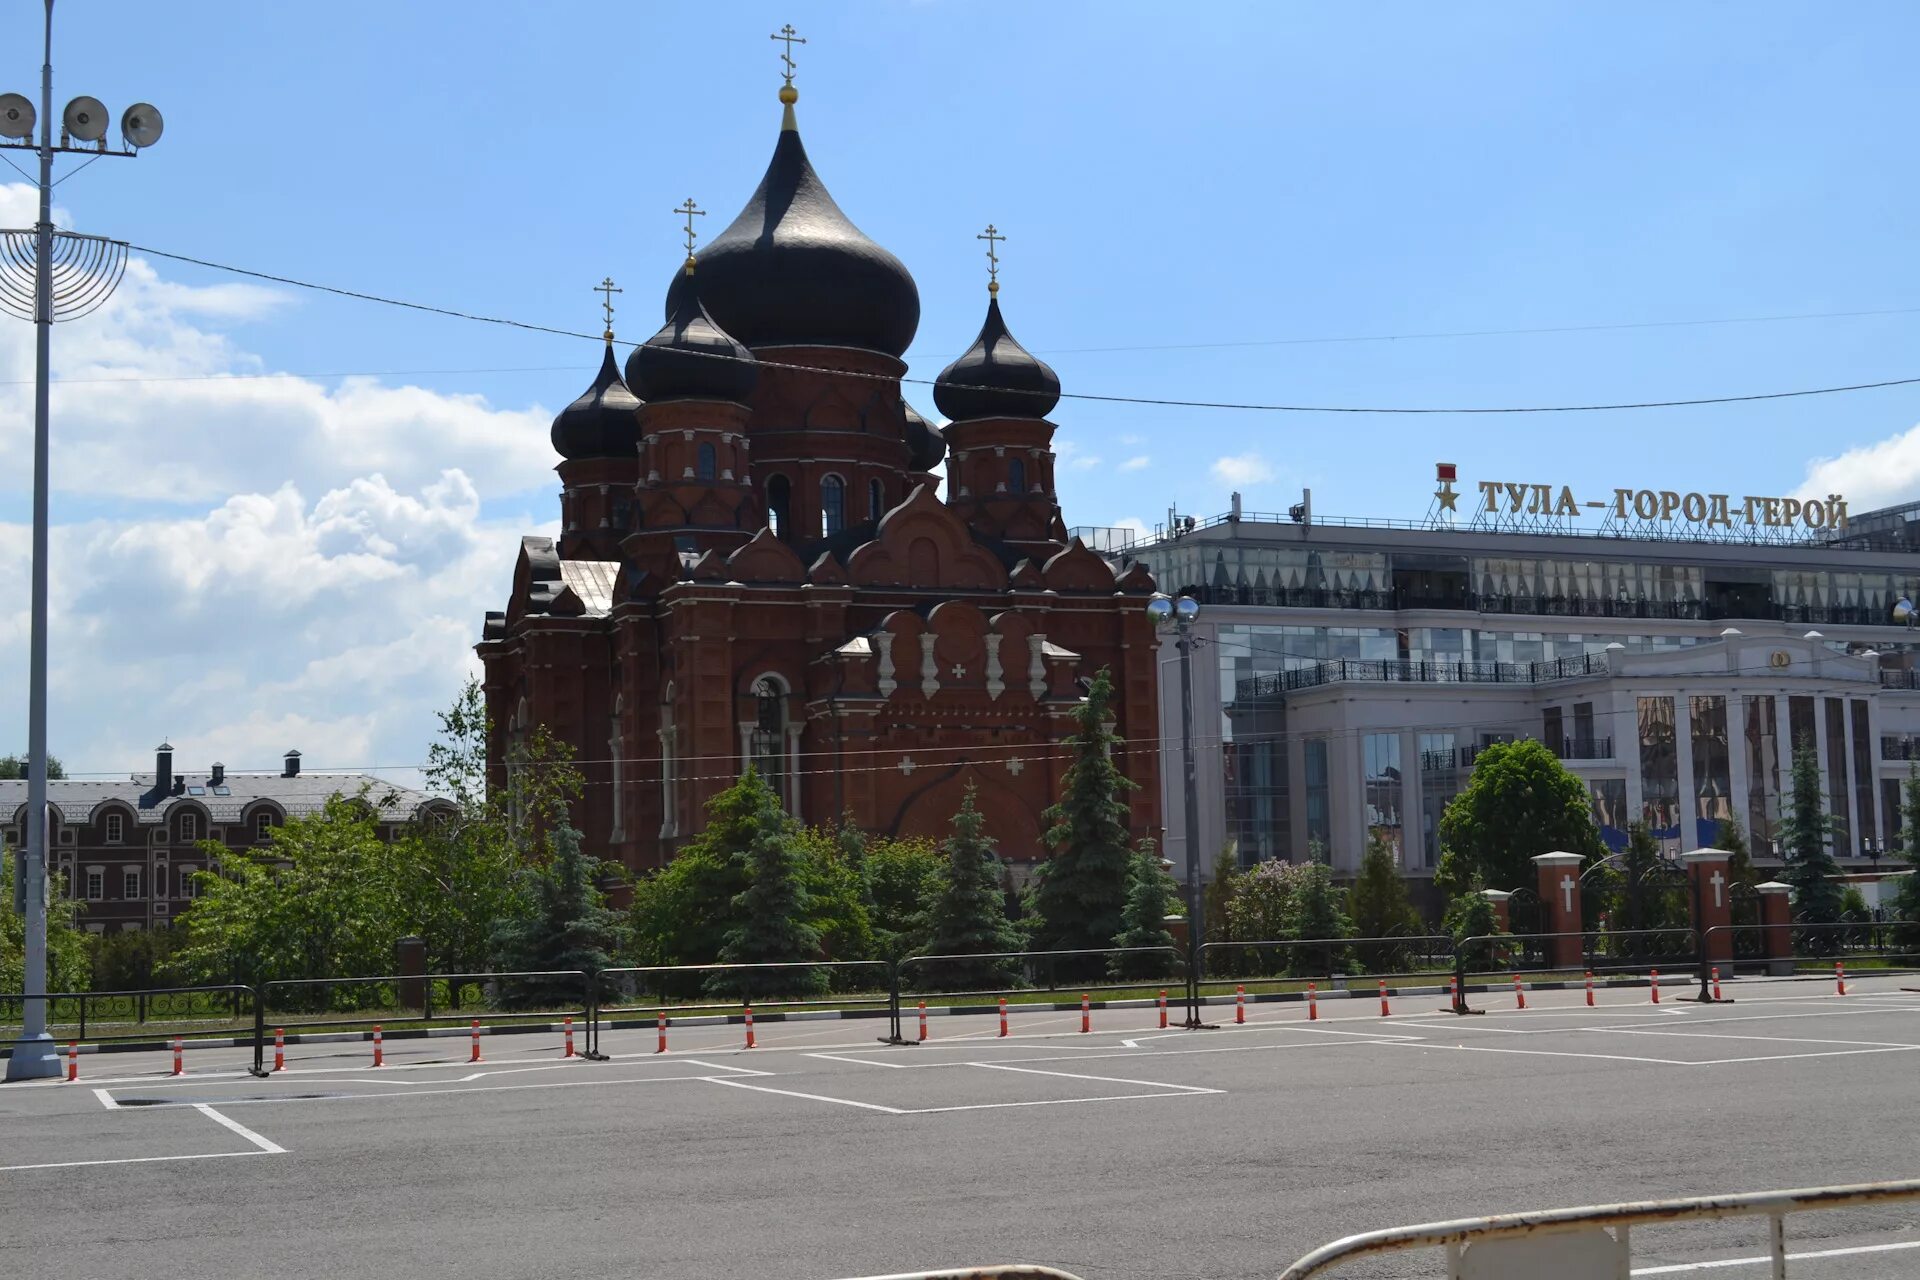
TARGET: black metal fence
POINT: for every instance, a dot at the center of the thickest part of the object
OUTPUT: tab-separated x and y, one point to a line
687	990
117	1016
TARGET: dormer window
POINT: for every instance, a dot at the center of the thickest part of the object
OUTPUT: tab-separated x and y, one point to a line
116	825
189	826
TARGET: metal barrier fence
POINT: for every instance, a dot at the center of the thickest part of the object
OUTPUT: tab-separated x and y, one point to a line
969	977
97	1016
1891	940
1429	955
1580	1243
780	988
409	999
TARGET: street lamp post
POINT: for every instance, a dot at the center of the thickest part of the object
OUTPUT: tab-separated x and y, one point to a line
1181	614
48	275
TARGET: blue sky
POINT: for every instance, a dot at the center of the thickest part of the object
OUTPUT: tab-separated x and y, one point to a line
1196	197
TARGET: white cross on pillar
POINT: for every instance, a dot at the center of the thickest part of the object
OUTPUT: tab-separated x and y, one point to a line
1717	880
1566	894
959	672
907	766
1015	765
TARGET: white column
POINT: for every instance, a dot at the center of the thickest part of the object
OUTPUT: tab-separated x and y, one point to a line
1737	760
1820	755
1875	791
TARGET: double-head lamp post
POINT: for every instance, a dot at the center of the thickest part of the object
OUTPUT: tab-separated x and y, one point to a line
48	275
1180	614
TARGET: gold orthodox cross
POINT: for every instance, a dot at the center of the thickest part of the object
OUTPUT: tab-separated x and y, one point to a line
690	211
787	34
607	289
990	235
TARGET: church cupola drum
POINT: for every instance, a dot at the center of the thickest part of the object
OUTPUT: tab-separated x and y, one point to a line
757	564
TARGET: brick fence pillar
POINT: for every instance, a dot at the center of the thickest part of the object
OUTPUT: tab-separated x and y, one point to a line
1559	887
1711	906
1503	922
1776	913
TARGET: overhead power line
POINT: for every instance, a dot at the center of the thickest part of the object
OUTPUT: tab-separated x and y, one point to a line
1159	402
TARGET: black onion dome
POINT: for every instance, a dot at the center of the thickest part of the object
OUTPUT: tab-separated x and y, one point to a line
600	424
996	378
692	358
925	445
792	270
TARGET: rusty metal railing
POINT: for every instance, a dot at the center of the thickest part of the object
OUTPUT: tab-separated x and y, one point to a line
1581	1234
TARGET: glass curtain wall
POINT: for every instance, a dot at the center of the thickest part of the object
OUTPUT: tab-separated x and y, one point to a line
1837	794
1258	813
1439	784
1319	795
1659	768
1610	810
1381	755
1712	769
1867	828
1763	772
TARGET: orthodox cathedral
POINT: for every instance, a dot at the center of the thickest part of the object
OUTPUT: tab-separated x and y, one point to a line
757	563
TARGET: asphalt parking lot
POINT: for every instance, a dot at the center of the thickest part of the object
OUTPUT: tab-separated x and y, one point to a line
1128	1151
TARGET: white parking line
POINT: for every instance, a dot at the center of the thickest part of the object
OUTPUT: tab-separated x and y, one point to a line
271	1148
811	1097
1677	1268
1074	1075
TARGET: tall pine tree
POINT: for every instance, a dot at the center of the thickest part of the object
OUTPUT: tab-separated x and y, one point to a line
1906	902
1143	923
1381	906
1810	868
968	916
568	927
770	915
1081	890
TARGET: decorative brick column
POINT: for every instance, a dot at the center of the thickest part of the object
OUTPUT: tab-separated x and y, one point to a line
1776	913
1711	906
1559	885
1501	919
410	962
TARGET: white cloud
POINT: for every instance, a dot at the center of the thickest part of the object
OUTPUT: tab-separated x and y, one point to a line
1133	439
1136	525
1245	468
1069	454
1139	462
1872	475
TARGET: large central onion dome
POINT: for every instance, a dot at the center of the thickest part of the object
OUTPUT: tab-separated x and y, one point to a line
996	377
792	270
601	423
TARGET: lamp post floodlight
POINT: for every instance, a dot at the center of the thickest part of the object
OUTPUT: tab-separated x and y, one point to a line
1181	613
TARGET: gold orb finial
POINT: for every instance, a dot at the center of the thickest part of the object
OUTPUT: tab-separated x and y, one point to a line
789	94
690	264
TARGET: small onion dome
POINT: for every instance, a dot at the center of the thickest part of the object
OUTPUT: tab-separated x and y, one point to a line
996	378
692	358
792	270
600	424
925	445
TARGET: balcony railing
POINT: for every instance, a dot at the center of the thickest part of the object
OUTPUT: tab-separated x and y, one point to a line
1393	599
1899	679
1892	748
1396	671
1583	748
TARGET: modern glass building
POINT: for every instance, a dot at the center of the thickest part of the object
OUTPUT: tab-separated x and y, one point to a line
1350	671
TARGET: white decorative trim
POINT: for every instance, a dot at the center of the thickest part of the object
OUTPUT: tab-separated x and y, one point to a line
929	670
887	683
1036	666
995	685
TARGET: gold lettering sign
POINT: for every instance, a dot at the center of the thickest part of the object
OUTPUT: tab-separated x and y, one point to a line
1506	503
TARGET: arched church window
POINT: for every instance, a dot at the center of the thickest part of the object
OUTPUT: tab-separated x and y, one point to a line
876	500
767	740
1017	475
706	464
779	503
833	505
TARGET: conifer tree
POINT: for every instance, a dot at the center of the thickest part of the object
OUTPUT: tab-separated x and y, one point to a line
771	913
1381	906
851	843
1810	868
1143	923
1082	889
1906	902
568	927
1317	910
968	916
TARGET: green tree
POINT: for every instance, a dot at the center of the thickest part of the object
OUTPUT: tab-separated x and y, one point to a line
1150	899
1381	907
850	844
968	915
1520	802
316	902
1471	915
1733	840
1081	891
771	915
1906	901
566	926
837	888
1259	911
69	962
1810	868
14	768
903	875
1215	895
1316	912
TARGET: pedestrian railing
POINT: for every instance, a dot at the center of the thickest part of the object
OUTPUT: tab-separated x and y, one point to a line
1289	962
962	981
1595	1239
662	993
118	1016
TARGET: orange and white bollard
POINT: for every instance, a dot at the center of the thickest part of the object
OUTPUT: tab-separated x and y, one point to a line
1656	986
1086	1014
73	1061
379	1059
476	1041
179	1067
1384	1010
1313	1003
1589	988
1453	991
1519	993
1839	978
1163	1011
569	1034
1239	1004
923	1021
1716	982
1003	1016
749	1009
279	1048
663	1035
